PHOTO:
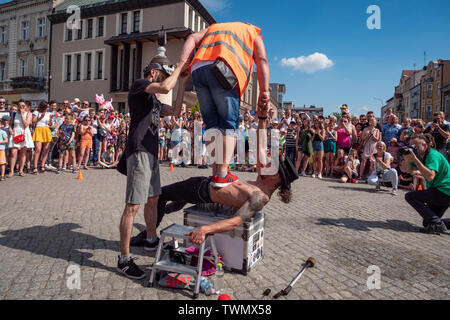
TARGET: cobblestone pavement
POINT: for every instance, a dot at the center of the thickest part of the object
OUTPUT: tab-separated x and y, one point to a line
50	222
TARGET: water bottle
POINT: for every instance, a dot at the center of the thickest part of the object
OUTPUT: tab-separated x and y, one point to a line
205	286
218	280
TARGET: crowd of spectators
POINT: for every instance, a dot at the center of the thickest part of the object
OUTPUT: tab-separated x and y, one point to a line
68	136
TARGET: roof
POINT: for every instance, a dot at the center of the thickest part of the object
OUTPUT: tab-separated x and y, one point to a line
408	73
177	33
93	8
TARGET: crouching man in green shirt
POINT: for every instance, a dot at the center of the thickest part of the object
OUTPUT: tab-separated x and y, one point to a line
432	203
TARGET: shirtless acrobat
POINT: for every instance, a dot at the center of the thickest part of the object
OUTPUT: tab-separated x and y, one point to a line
248	196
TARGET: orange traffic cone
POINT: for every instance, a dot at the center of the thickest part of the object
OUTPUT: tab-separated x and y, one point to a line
171	167
80	175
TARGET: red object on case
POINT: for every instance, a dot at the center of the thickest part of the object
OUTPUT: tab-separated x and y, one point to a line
224	297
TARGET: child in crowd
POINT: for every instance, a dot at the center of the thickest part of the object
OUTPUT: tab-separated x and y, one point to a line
66	143
107	158
394	150
351	167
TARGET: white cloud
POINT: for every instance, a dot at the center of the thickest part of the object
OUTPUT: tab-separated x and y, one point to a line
366	109
310	64
216	5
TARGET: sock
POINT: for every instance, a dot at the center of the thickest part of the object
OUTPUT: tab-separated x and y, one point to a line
124	258
152	240
222	175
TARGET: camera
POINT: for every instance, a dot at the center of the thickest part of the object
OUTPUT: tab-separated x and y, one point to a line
435	121
407	150
380	174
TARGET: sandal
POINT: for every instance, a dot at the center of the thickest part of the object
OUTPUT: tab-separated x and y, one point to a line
35	172
2	178
43	169
21	174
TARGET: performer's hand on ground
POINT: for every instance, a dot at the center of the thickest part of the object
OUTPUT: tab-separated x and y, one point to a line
197	236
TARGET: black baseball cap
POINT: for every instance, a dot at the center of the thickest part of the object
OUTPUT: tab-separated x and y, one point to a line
160	63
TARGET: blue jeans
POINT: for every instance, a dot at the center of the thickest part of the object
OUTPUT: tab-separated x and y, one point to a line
219	107
291	153
95	146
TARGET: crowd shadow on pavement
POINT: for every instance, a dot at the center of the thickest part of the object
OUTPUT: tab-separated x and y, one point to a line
62	242
368	190
363	225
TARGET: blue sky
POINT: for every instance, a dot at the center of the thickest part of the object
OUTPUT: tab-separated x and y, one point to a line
360	63
365	63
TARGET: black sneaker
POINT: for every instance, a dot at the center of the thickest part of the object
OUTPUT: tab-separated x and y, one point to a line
435	228
130	270
140	240
151	246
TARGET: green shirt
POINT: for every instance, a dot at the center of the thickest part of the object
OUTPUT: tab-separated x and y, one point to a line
437	162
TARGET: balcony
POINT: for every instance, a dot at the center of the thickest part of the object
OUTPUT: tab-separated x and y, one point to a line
28	83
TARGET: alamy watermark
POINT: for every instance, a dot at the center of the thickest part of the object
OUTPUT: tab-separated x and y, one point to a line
73	281
210	144
374	280
374	20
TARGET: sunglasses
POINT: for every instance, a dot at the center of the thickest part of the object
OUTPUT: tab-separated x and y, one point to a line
2	102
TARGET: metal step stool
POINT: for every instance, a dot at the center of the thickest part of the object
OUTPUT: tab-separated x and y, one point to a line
175	232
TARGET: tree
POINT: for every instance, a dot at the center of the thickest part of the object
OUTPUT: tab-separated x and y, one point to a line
338	115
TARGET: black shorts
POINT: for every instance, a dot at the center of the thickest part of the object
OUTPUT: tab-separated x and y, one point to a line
194	191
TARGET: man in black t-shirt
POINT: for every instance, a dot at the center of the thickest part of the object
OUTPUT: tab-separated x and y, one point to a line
141	153
440	133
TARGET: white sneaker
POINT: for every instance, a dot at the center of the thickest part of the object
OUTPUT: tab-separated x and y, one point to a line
303	174
394	192
320	176
49	167
313	176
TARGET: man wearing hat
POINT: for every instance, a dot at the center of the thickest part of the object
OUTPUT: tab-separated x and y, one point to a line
248	196
140	162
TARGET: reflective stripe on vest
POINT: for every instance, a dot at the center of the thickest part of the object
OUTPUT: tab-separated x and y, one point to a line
209	45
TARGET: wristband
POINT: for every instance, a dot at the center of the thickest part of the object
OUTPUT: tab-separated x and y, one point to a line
262	118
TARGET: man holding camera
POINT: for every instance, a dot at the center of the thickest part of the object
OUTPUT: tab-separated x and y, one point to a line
432	203
440	132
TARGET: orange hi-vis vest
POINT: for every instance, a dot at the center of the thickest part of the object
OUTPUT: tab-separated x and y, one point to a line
234	43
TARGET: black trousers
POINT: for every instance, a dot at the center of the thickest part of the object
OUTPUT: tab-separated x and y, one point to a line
194	191
431	204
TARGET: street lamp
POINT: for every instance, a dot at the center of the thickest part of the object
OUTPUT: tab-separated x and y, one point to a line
382	103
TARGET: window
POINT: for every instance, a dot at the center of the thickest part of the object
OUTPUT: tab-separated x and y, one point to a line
25	30
101	26
41	28
69	68
2	71
122	107
80	31
69	34
439	88
78	77
23	65
40	67
89	66
429	109
90	25
100	65
430	90
4	34
124	23
136	21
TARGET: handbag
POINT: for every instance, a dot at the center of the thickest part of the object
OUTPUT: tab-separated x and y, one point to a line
102	133
224	74
19	138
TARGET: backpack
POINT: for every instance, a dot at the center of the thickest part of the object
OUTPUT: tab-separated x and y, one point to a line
102	133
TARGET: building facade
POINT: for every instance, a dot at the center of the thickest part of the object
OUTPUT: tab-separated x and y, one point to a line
115	41
311	111
415	99
24	53
277	92
431	86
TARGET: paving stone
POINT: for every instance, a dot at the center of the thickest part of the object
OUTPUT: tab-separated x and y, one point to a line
80	228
